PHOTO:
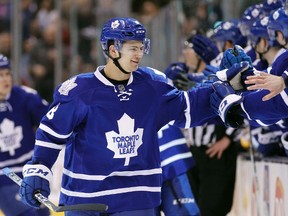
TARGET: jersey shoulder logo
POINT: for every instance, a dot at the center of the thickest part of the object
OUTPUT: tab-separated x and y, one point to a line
67	86
5	107
126	143
10	136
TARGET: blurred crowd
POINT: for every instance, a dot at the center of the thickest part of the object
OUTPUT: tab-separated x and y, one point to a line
208	35
39	21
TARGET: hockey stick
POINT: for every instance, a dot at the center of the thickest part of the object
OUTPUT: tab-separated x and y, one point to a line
45	201
255	176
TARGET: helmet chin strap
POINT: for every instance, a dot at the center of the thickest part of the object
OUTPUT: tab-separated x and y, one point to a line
116	62
286	42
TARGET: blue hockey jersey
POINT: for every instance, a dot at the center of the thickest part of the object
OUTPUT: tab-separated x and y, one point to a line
20	115
110	131
273	110
268	139
176	157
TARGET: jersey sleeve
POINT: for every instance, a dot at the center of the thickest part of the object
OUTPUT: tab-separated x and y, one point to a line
56	127
198	110
265	112
185	109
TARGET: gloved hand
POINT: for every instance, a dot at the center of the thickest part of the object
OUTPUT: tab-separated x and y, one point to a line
174	69
178	73
36	178
234	75
234	55
204	47
225	103
182	82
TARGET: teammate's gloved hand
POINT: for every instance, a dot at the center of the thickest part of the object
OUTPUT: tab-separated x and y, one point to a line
234	75
234	55
178	73
197	77
36	178
182	82
174	69
225	103
205	48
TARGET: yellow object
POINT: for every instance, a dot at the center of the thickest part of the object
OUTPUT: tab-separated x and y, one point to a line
245	143
57	214
52	213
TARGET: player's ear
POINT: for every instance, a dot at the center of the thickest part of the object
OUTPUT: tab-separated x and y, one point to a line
113	52
280	37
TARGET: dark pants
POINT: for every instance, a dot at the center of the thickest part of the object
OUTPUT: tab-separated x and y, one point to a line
212	180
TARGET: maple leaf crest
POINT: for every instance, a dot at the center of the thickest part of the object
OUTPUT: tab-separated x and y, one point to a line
126	143
67	86
115	24
10	136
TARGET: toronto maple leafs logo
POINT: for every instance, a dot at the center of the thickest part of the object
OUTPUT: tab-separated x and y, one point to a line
126	143
10	136
115	24
67	86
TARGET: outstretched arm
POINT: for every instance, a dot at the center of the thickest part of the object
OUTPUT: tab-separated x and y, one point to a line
275	84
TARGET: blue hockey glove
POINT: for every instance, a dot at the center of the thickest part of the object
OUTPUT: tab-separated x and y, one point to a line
174	69
234	75
178	73
182	82
234	55
225	103
197	77
204	47
36	178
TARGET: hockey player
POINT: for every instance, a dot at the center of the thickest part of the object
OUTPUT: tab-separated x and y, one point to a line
20	114
267	139
235	107
252	105
176	159
277	29
108	120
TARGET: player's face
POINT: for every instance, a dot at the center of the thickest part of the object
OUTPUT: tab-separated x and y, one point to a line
261	46
5	82
190	57
281	39
131	54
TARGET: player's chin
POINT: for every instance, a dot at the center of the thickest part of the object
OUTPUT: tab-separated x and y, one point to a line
133	68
